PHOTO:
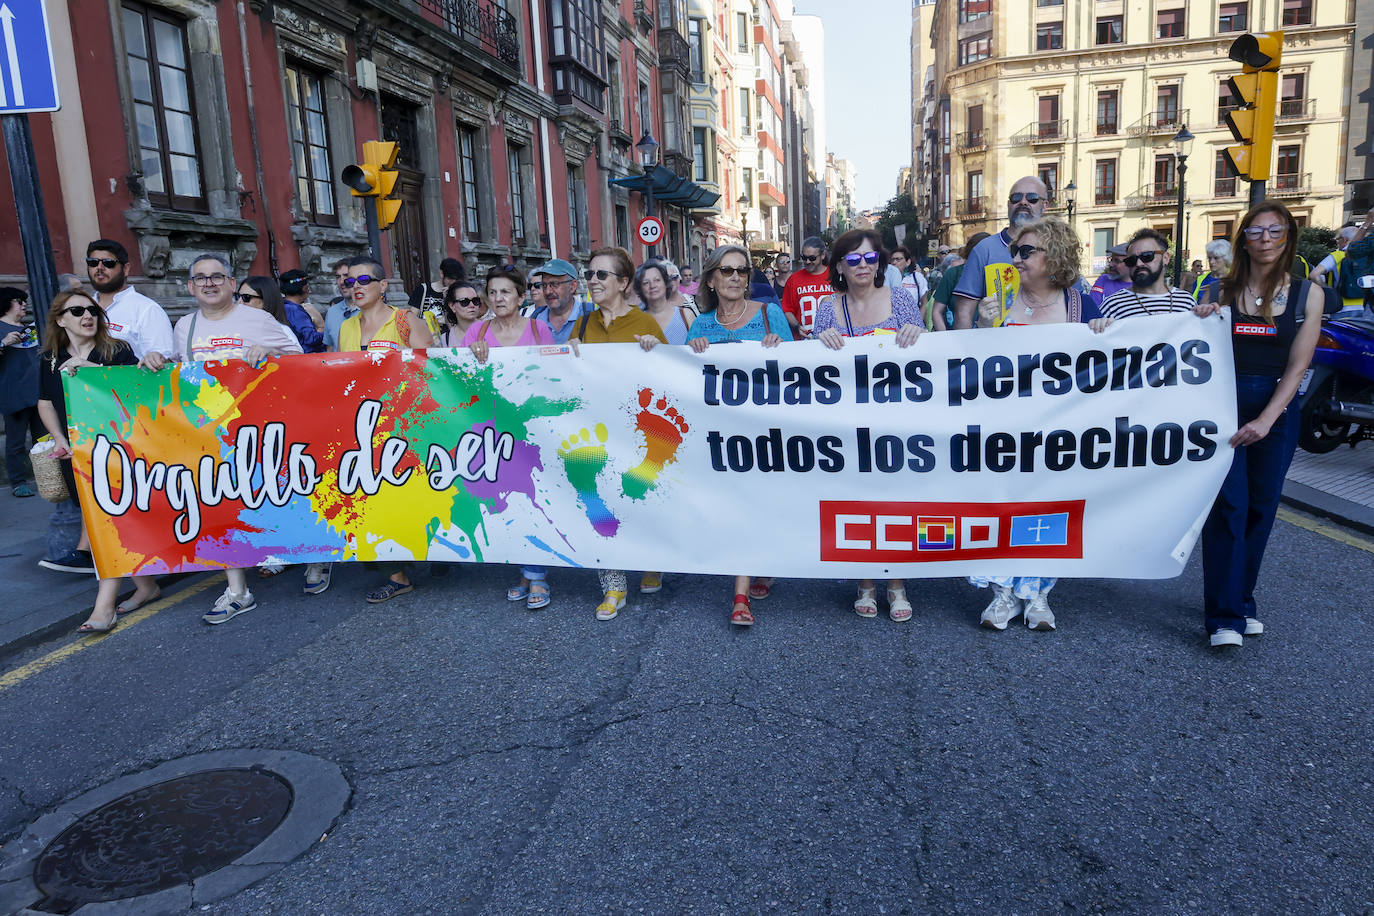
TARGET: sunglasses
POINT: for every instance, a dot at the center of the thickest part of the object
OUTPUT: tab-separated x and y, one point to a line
1276	231
1145	257
1032	198
735	271
107	263
537	284
80	310
855	259
466	301
245	297
364	280
1025	251
600	274
808	258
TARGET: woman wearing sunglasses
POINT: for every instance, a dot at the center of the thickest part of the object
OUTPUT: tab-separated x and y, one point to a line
78	336
378	326
462	307
263	293
1275	321
863	304
1050	291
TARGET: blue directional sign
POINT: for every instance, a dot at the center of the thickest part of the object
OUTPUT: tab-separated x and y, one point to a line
28	81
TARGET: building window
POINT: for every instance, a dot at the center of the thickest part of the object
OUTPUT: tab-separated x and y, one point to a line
1165	185
1226	101
1171	23
1049	2
578	57
1221	229
467	163
1103	238
1047	107
646	114
1109	30
1297	12
699	172
742	32
617	96
310	147
577	209
1293	95
1108	121
1104	182
970	10
975	191
1049	37
1287	164
622	226
746	123
1166	105
696	40
747	185
1048	173
517	194
1233	17
1224	177
972	50
158	56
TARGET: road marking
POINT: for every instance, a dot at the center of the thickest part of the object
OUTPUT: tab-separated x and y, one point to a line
24	672
1333	532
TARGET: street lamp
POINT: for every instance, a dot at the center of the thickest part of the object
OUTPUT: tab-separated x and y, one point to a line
1183	143
648	157
1069	193
743	202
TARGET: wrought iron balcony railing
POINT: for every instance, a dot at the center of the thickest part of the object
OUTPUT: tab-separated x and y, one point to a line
482	23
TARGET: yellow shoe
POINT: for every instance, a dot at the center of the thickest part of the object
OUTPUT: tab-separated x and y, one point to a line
650	582
609	605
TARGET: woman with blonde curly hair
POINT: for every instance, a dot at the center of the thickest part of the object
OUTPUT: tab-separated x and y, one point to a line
1045	254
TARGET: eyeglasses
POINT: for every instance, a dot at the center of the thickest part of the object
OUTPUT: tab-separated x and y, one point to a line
868	257
363	280
733	271
1032	198
808	258
554	282
600	274
79	310
1276	231
1145	257
1025	251
245	297
466	301
208	279
107	263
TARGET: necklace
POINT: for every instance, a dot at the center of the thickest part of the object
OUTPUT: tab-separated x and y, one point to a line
1031	309
720	314
1280	298
1141	303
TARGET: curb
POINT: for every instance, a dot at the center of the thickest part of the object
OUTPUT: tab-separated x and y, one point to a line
1325	505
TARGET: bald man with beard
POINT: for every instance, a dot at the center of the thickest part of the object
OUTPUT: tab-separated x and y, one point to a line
988	270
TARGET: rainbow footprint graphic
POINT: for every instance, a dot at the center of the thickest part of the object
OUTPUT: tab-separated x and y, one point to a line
584	458
661	427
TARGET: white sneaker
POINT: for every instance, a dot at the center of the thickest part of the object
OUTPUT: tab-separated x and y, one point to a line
317	577
1038	614
1005	608
1253	627
1223	638
229	606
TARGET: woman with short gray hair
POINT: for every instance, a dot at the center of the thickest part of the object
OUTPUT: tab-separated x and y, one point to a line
1219	255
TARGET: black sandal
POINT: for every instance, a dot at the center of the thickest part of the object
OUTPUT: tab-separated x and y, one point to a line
388	591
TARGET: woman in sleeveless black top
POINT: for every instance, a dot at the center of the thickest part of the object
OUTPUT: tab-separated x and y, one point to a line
1275	320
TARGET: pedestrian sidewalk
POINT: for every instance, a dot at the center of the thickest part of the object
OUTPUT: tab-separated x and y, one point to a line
1338	485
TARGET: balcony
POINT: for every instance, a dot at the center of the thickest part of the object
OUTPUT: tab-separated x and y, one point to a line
1296	111
679	163
1042	133
1290	185
618	133
1158	195
644	17
1223	188
771	195
1157	123
482	23
673	51
971	141
1223	111
970	206
1104	197
1108	127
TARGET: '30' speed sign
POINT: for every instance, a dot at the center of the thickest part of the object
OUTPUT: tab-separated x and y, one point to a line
650	230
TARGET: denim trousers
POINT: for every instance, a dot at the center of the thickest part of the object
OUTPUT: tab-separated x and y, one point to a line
1237	529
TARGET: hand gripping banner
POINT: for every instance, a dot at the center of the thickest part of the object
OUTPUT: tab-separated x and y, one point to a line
1029	451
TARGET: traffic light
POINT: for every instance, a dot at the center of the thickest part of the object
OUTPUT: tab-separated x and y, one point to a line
376	177
1256	86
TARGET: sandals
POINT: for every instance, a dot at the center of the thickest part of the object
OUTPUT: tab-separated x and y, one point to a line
519	592
650	582
610	605
866	605
388	591
740	615
762	588
129	605
89	628
539	595
898	608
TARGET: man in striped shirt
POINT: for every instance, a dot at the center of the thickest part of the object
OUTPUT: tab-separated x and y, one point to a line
1147	260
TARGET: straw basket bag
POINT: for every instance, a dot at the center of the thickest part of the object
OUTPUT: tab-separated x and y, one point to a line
47	472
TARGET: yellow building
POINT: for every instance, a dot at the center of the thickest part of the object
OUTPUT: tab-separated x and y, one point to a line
1091	95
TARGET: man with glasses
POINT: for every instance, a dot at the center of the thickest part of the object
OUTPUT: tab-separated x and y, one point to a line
1147	260
340	309
987	270
558	290
221	328
806	288
1114	279
129	315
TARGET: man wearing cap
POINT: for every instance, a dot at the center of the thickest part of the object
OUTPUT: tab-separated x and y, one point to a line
305	320
130	315
561	309
1114	279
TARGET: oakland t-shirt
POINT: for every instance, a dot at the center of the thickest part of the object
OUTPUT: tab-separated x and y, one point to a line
803	292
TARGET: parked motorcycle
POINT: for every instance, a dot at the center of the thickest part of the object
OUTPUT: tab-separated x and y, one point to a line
1337	396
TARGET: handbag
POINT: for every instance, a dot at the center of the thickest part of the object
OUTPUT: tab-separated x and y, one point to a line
47	472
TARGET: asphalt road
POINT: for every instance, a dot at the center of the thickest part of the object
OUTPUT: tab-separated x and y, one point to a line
504	761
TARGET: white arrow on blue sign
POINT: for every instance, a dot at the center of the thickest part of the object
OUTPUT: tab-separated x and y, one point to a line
28	81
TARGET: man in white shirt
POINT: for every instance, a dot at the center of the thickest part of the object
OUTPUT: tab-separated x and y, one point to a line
221	328
1147	262
912	278
130	315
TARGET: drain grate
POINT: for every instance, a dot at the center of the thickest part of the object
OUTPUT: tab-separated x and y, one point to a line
160	836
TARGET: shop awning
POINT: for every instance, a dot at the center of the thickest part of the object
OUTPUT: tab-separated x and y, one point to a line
669	189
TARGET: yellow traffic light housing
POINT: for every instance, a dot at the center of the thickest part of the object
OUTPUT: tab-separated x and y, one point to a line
1260	55
376	176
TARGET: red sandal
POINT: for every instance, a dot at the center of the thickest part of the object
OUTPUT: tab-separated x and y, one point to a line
742	616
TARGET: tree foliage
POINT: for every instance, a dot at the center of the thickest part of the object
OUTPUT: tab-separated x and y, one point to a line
899	211
1315	243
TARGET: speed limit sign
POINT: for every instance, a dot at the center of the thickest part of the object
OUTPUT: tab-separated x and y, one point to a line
650	230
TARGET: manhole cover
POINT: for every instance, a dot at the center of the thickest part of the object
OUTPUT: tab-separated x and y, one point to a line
160	836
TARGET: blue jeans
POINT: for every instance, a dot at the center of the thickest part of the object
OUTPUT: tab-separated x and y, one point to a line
1237	529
